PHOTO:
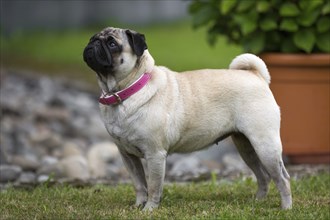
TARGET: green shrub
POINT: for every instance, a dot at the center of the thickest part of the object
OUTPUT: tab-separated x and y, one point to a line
267	25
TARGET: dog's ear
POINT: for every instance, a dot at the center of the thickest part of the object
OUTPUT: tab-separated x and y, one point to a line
137	42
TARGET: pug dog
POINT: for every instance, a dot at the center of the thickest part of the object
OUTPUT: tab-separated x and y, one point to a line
151	111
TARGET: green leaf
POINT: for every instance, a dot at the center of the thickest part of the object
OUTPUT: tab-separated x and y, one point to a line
307	19
235	35
289	10
247	22
288	46
226	6
309	5
263	6
240	18
304	40
203	16
323	24
255	44
268	24
245	5
248	27
323	42
289	25
326	9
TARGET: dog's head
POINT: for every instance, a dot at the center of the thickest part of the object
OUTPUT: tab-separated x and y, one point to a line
114	51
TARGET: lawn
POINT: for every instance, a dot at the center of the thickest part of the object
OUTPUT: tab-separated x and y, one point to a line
206	200
175	45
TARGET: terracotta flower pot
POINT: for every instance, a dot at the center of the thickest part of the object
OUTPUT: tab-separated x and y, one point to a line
300	84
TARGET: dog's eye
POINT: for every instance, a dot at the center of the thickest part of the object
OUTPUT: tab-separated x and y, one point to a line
112	44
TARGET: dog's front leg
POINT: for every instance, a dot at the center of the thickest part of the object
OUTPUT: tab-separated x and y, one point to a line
136	171
156	170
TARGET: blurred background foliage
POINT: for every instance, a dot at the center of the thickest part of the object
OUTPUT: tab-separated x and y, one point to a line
296	26
57	49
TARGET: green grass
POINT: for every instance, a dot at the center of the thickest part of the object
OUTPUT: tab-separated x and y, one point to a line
175	45
208	200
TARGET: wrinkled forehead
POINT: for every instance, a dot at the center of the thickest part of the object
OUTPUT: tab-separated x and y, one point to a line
113	32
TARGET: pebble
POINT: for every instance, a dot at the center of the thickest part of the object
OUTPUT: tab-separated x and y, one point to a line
28	178
48	160
187	165
71	149
43	178
27	163
74	167
3	156
234	162
9	173
100	156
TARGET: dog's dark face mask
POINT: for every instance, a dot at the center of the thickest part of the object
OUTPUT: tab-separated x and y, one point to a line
103	52
98	54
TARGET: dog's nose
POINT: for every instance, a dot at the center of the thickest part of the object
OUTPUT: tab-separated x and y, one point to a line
98	56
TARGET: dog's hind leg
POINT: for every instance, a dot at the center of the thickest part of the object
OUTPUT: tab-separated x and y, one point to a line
268	147
250	157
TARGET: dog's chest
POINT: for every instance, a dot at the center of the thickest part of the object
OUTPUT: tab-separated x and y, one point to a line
123	129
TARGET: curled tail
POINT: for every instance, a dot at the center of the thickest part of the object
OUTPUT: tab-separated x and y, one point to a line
251	62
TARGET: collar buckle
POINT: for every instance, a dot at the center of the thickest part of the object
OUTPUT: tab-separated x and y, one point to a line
118	99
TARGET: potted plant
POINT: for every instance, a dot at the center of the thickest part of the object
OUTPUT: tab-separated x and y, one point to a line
292	37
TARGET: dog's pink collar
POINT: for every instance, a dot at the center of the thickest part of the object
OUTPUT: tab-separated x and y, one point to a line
120	96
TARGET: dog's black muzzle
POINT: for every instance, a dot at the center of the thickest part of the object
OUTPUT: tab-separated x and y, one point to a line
97	55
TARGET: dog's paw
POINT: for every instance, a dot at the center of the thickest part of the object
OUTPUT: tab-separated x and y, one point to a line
141	200
261	194
150	206
287	202
140	205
